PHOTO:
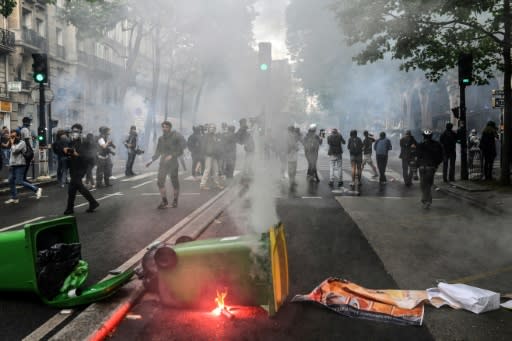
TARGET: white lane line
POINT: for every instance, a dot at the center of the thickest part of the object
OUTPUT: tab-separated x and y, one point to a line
19	224
142	184
311	197
100	199
190	193
139	177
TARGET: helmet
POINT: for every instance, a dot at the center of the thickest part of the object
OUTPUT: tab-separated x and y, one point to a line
427	132
312	127
26	120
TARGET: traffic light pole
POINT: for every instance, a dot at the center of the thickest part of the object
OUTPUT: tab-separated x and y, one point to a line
462	132
42	116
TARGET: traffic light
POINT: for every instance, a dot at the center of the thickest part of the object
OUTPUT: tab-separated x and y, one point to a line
465	69
265	56
40	67
41	137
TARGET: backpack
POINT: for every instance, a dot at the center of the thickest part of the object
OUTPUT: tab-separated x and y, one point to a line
355	146
28	154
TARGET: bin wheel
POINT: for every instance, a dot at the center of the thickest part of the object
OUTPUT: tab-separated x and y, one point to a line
184	239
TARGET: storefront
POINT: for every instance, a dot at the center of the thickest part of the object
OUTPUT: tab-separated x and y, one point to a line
5	114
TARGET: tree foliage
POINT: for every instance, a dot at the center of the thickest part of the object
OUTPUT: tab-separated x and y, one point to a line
426	34
6	7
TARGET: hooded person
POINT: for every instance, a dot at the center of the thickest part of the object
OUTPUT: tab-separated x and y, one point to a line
26	136
429	154
488	148
312	144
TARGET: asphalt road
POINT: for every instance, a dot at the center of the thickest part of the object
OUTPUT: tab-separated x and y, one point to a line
126	221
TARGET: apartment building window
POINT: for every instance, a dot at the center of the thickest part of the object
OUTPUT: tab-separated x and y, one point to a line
60	38
26	18
40	27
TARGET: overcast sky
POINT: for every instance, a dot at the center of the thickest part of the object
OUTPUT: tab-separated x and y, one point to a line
270	26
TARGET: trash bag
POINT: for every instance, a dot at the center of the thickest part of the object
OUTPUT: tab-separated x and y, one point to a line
464	296
54	265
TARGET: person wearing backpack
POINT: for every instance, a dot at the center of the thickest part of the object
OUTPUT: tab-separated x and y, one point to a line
29	151
430	155
335	152
382	146
312	143
17	165
355	147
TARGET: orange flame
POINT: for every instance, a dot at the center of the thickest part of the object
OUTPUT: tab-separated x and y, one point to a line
220	300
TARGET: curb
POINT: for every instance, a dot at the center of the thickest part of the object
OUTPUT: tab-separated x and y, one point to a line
463	196
100	319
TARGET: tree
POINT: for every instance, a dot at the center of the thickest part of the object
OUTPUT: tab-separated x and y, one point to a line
6	7
429	35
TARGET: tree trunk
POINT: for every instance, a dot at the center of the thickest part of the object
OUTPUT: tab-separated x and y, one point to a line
505	146
150	119
167	94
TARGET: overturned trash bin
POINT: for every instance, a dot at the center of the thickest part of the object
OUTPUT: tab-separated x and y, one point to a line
252	268
44	258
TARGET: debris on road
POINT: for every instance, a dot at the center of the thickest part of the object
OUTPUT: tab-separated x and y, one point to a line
463	296
402	307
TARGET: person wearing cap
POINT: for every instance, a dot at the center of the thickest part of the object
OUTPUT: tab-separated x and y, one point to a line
448	140
311	144
429	154
407	149
131	146
488	148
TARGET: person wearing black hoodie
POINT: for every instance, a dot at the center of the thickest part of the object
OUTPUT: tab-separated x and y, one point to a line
488	148
448	140
429	154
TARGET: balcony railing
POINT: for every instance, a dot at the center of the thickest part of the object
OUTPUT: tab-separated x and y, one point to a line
33	38
61	52
98	64
7	40
27	85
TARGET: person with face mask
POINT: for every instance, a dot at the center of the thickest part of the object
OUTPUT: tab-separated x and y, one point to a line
80	157
168	149
17	165
105	165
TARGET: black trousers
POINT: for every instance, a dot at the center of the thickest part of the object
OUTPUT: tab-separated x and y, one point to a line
407	171
488	165
426	182
382	163
449	167
129	163
76	185
312	160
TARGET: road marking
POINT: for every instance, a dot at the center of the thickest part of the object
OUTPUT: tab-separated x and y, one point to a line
19	224
190	193
139	177
311	197
482	275
102	198
142	184
150	194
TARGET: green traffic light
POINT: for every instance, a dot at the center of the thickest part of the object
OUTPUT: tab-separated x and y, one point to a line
263	67
40	137
466	81
39	77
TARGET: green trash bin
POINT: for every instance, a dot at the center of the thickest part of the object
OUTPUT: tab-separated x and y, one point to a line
252	268
19	270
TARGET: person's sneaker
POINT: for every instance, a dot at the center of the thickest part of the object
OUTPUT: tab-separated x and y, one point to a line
163	204
12	201
92	207
39	192
175	203
375	176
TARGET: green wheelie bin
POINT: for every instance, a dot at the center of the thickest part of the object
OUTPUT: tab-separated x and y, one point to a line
46	254
253	269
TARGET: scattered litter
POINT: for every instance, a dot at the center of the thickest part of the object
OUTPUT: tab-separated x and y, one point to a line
463	296
66	311
507	305
403	307
133	316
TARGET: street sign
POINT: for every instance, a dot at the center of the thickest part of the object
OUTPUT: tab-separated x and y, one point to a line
13	86
498	98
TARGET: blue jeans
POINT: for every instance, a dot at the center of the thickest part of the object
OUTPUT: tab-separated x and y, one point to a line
6	153
16	178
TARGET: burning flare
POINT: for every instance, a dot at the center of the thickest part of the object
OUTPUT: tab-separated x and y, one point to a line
221	296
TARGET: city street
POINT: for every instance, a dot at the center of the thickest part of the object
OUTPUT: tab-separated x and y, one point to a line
380	238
